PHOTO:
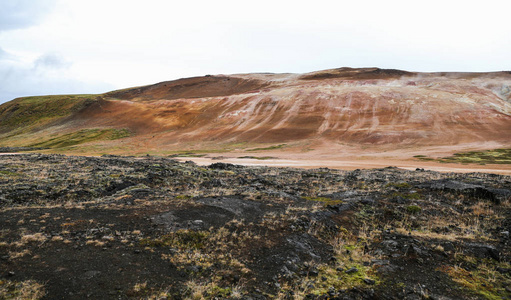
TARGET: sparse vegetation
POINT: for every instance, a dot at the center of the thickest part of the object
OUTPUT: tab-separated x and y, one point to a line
188	154
25	290
483	280
274	147
5	173
410	196
227	231
413	209
29	112
326	201
83	136
495	156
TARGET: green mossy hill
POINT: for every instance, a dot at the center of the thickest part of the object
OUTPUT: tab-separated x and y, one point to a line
274	147
83	136
495	156
28	112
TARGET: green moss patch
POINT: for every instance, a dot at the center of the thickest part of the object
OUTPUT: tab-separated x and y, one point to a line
495	156
188	154
413	209
268	148
480	281
5	173
29	112
83	136
326	201
399	185
341	279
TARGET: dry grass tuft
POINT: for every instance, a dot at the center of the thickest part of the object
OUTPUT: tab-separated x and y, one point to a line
28	238
25	290
95	243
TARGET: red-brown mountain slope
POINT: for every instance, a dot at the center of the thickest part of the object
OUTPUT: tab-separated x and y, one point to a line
331	108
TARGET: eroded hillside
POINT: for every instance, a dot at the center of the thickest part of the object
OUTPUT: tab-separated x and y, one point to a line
320	110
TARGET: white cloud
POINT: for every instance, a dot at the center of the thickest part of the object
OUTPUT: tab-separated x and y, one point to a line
16	14
46	75
127	43
28	70
51	61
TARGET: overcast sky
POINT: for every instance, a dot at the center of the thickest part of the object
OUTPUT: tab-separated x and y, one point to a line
93	46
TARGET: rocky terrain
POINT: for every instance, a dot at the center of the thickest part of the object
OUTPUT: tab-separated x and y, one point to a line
116	227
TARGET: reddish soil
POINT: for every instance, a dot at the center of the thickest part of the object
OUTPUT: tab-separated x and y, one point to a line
391	108
352	164
369	116
195	87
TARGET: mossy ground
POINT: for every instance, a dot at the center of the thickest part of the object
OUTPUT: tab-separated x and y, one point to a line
479	276
495	156
83	136
29	112
274	147
324	200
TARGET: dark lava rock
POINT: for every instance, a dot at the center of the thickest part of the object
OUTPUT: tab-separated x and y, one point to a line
236	205
213	183
193	218
224	166
305	245
414	250
504	270
368	201
389	246
473	190
439	297
116	186
483	251
338	208
91	274
279	234
341	195
20	149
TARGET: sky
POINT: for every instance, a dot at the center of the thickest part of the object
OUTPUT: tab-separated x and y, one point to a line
94	46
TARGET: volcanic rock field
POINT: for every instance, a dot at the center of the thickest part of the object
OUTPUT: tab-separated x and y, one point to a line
115	227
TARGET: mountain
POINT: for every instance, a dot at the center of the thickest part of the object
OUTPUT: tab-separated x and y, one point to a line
330	110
